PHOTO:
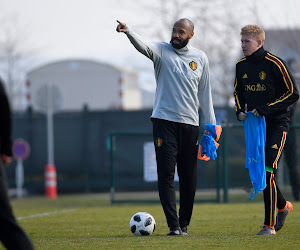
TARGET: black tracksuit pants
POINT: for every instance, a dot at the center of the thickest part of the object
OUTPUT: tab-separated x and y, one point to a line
176	143
11	234
273	198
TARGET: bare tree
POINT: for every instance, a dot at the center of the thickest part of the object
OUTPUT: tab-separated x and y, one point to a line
168	12
220	44
217	33
14	59
215	24
283	41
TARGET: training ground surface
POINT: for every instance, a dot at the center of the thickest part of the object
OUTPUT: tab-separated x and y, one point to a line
90	222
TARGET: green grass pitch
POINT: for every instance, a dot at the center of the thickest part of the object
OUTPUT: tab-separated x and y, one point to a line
90	222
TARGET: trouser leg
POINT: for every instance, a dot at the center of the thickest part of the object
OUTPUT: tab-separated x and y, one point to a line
272	199
166	148
11	234
187	172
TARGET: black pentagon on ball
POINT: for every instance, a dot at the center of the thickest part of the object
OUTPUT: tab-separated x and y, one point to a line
133	228
148	221
137	218
144	233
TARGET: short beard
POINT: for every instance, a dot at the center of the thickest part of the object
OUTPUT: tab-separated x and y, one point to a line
181	45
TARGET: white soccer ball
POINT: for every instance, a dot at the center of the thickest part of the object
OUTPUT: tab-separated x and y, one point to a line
142	224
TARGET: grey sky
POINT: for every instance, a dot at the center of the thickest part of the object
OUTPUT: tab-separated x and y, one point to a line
64	29
86	28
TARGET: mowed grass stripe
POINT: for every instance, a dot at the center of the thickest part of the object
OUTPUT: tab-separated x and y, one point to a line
45	214
98	225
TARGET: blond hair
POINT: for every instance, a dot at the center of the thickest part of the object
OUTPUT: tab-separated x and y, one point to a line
255	31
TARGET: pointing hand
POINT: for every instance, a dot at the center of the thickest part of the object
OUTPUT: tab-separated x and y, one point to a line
121	26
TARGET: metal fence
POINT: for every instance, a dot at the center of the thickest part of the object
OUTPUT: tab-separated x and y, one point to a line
83	161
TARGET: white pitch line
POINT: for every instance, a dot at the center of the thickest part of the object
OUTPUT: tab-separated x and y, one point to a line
46	214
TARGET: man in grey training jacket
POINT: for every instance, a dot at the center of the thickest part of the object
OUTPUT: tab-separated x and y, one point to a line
182	85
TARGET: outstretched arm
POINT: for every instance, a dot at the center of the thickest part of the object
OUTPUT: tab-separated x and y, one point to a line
149	49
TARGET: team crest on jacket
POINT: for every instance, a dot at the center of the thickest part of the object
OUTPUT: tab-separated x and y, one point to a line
193	65
158	142
262	75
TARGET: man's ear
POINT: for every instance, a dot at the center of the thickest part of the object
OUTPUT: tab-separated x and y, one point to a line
191	35
259	43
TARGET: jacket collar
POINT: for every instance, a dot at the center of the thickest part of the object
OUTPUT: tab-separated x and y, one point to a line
183	50
257	55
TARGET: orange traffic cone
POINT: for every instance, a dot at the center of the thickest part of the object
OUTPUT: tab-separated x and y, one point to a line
50	181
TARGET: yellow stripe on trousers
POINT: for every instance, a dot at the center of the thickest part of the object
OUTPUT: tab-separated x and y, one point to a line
273	200
283	139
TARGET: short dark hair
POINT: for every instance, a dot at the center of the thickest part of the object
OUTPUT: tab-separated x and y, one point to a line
191	24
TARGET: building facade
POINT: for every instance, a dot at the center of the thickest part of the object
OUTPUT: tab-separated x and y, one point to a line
83	83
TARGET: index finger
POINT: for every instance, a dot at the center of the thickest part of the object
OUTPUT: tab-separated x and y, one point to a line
123	24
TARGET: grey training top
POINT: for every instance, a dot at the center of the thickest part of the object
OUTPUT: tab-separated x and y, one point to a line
182	78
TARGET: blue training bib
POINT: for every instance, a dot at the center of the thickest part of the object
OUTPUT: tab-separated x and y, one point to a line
255	134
